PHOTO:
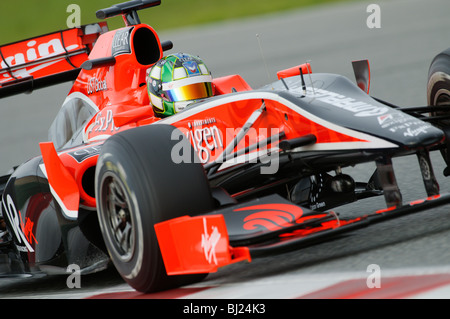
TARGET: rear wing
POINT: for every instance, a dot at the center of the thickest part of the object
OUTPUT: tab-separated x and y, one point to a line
46	60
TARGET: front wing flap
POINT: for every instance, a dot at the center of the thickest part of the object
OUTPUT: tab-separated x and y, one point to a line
261	227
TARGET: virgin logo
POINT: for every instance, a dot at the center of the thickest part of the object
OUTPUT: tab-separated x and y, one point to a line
43	50
271	216
31	51
13	217
209	242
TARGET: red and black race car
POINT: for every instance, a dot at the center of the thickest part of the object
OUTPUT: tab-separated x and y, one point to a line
242	174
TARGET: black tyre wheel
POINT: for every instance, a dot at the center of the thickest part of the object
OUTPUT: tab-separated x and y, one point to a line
438	88
137	185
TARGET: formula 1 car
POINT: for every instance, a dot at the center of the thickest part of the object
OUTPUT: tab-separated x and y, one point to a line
245	173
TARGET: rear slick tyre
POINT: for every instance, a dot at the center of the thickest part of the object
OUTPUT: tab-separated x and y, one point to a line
137	185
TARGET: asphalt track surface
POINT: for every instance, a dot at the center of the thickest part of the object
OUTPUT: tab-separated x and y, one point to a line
412	32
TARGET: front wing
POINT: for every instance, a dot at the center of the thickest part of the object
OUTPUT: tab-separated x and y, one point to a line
260	227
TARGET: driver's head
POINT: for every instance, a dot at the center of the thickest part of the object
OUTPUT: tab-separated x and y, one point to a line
176	81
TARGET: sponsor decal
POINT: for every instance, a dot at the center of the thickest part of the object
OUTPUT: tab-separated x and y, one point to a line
191	67
83	154
317	186
121	42
209	242
95	85
204	137
386	120
32	51
208	142
103	122
23	233
35	52
358	108
202	122
416	131
401	122
271	216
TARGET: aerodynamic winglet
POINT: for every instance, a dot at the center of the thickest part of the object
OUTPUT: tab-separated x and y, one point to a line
194	245
361	69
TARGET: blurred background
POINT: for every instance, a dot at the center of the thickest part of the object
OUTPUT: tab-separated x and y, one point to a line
23	19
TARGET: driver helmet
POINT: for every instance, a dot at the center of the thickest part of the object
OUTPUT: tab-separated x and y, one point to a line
176	81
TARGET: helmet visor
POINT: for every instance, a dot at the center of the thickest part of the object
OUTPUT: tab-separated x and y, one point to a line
190	92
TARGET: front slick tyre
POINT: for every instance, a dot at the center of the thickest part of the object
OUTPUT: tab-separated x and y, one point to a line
438	91
138	185
438	87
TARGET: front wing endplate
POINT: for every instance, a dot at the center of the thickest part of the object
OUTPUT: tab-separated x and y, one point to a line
193	245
